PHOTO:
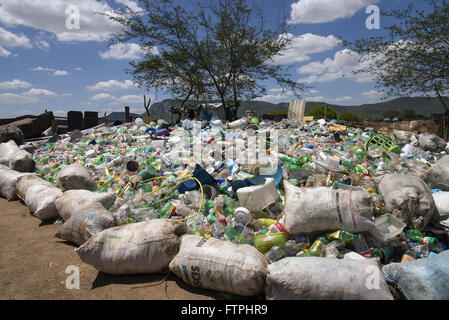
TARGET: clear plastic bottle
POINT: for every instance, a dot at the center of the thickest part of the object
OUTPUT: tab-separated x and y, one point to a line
274	254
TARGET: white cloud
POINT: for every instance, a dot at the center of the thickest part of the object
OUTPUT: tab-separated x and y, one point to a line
29	97
344	63
303	45
315	99
42	44
130	4
112	85
4	53
320	11
372	95
10	40
128	51
13	98
14	84
314	91
286	96
78	69
329	100
51	17
40	92
51	70
131	99
103	96
61	73
342	99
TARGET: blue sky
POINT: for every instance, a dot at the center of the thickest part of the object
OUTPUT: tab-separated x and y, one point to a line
44	65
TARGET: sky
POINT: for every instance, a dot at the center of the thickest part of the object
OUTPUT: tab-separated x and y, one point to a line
47	62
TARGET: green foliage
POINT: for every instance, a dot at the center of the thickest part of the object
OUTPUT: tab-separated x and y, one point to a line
220	50
410	114
318	112
413	57
391	114
349	116
279	113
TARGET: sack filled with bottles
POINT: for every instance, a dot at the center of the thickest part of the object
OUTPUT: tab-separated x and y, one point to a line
139	248
438	175
16	159
431	142
74	176
422	279
220	265
86	223
310	210
316	278
74	200
8	180
24	183
40	200
407	197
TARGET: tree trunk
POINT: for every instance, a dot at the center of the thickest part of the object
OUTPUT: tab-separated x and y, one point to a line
445	120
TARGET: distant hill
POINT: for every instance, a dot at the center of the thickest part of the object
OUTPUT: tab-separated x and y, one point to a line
119	116
425	106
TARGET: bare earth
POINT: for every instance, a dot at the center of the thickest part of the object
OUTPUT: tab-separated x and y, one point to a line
33	265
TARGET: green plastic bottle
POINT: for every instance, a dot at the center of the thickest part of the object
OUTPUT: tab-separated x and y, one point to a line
265	242
414	235
316	249
167	210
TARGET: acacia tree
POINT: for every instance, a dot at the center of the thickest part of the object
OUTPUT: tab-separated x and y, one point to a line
220	49
414	57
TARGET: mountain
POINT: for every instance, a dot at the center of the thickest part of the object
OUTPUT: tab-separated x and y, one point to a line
421	105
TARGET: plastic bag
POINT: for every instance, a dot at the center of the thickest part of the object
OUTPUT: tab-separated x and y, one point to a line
26	182
8	180
326	279
16	159
40	199
422	279
74	200
438	175
139	248
431	142
220	265
73	177
257	198
86	223
322	209
407	197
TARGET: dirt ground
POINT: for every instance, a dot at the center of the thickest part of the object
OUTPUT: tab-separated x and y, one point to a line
33	267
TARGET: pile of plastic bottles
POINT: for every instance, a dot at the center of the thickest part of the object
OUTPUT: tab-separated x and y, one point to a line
142	164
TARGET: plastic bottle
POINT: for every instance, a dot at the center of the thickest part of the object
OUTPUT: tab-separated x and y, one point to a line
316	249
275	254
265	242
408	256
167	210
417	236
292	248
422	251
242	215
361	247
208	221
